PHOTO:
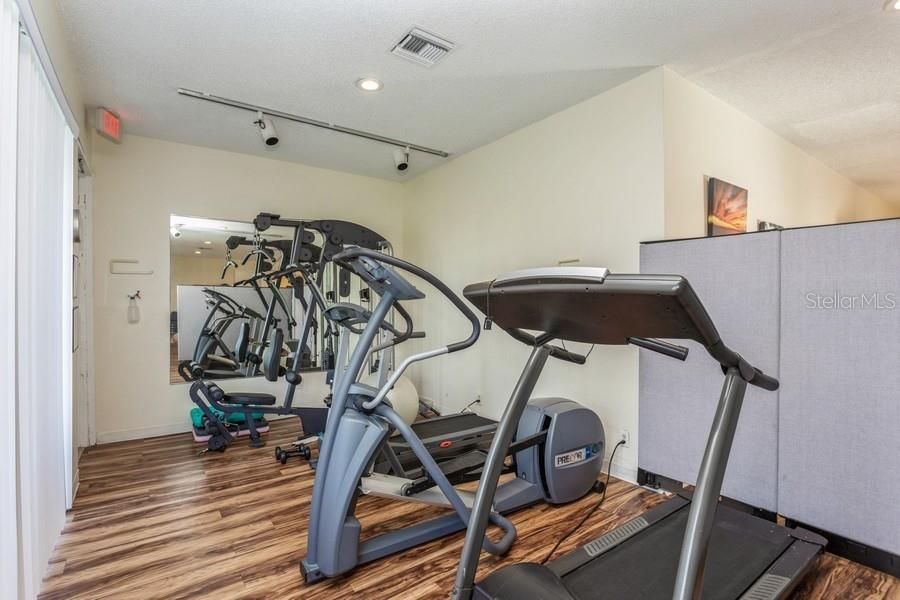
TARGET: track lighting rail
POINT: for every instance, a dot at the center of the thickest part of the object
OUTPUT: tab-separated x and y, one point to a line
308	121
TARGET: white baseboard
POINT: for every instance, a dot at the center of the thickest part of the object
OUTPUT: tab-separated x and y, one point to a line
75	485
625	472
123	435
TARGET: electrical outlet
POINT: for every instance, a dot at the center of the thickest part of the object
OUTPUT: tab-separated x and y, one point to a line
625	436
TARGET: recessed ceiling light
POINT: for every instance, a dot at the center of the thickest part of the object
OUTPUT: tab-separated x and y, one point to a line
207	242
197	252
897	5
892	5
370	84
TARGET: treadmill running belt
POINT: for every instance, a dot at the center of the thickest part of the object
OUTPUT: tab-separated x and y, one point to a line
742	547
444	426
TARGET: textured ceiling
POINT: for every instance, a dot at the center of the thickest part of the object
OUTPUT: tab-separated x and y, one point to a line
832	89
819	72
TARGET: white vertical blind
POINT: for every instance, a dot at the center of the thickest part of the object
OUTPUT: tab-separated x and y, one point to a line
43	249
9	68
42	55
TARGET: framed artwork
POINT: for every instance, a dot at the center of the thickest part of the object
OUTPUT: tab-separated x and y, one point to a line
726	208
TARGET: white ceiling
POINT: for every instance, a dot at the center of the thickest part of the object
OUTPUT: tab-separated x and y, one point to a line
821	72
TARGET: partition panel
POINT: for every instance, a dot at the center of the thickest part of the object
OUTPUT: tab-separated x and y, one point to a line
839	448
737	278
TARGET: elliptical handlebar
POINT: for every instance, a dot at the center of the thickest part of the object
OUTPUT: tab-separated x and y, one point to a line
400	336
378	277
343	258
223	299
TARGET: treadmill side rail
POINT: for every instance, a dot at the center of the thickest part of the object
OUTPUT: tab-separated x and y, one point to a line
785	573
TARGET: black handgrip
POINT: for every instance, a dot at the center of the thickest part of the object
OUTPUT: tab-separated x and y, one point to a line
407	319
417	335
263	251
563	354
761	380
356	251
673	350
555	351
728	358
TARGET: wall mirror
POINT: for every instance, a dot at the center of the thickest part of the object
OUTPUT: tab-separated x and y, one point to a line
221	300
229	292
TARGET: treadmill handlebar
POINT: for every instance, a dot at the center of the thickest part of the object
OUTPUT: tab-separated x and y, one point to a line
729	359
673	350
758	378
439	285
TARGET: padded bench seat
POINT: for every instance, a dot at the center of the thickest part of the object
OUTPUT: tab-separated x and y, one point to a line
245	398
250	398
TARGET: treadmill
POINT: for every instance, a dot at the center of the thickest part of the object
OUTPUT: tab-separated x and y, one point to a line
690	546
446	437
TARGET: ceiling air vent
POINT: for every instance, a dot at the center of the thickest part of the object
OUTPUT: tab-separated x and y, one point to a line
422	47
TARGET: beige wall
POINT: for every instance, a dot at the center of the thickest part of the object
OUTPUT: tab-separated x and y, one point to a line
138	184
704	136
585	183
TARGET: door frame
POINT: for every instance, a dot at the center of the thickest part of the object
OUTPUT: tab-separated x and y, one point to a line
85	404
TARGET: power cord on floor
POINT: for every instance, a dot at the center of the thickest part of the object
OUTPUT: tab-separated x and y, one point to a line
590	512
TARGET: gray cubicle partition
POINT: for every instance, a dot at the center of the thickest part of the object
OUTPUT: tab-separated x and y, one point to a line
737	277
820	308
839	439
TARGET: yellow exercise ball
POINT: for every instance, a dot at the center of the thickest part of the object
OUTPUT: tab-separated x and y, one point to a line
403	397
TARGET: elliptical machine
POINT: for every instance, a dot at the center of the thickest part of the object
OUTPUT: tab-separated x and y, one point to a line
558	450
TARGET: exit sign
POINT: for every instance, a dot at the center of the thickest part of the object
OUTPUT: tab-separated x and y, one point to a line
109	125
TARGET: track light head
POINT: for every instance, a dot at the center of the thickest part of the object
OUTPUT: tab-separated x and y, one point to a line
401	158
266	130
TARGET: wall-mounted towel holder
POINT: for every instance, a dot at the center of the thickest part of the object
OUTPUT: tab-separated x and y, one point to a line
116	268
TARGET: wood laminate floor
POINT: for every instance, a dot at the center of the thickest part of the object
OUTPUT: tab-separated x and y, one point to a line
152	519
